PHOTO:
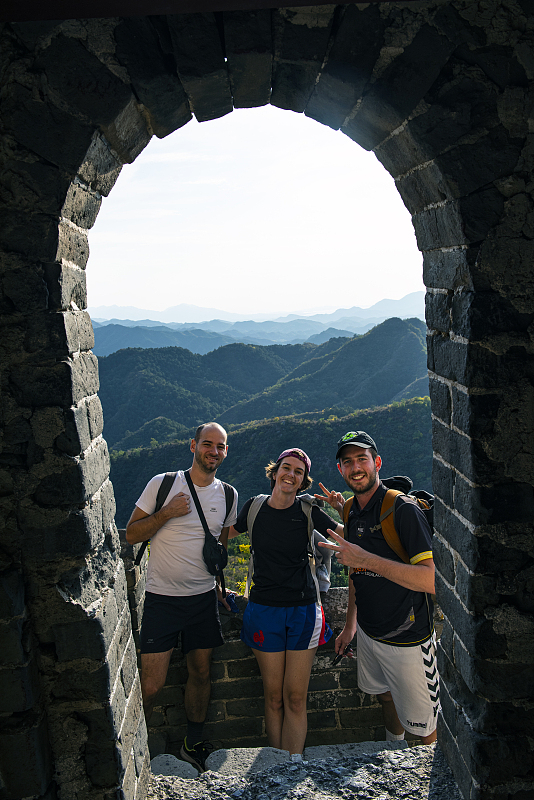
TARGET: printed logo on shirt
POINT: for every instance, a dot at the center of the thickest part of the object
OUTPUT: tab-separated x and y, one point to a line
416	724
258	637
213	510
364	571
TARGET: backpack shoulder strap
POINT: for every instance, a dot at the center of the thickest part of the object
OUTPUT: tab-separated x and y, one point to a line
346	511
255	506
387	521
307	502
163	491
229	495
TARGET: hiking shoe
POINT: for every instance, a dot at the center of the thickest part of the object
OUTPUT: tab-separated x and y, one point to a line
197	755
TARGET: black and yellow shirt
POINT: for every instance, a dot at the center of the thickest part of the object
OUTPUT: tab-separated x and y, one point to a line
386	611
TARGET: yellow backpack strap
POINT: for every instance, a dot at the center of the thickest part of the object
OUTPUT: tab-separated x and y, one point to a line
387	520
346	511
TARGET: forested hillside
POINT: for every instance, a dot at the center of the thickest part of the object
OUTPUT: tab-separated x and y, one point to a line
155	395
402	432
365	371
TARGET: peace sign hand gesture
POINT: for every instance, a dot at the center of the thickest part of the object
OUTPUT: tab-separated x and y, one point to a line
334	499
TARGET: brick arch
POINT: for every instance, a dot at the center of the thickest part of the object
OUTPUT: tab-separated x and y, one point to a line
440	92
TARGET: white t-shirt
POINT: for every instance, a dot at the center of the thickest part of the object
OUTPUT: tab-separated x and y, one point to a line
176	567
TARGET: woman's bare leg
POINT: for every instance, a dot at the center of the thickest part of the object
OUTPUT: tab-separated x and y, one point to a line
296	679
272	668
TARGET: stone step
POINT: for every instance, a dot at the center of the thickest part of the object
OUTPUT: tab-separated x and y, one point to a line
244	761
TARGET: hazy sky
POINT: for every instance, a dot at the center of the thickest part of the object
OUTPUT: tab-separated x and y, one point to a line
260	211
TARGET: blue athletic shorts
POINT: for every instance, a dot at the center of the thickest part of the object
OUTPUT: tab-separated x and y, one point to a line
272	629
195	617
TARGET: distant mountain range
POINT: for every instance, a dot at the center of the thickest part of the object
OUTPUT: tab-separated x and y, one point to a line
202	337
412	305
161	394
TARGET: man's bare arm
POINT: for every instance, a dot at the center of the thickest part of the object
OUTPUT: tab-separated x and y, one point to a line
232	533
142	526
417	577
223	538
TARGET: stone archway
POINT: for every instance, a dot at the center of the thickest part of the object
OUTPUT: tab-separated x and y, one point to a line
441	91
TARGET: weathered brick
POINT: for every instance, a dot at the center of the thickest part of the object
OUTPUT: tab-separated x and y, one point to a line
300	40
83	80
385	107
81	205
231	651
443	560
58	335
475	414
364	717
25	733
243	687
251	707
322	682
88	637
23	287
201	67
503	502
48	130
64	383
478	315
336	698
11	592
128	133
83	682
458	449
72	244
496	759
157	88
171	697
248	47
49	532
245	726
440	394
19	688
100	169
66	284
35	238
321	719
476	633
348	679
454	269
78	480
350	63
120	647
243	669
437	312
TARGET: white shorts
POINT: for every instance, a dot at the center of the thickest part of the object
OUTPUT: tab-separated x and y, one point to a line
409	673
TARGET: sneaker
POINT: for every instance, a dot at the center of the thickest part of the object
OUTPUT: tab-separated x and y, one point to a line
197	755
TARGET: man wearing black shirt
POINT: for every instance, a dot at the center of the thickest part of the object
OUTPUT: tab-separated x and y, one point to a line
389	607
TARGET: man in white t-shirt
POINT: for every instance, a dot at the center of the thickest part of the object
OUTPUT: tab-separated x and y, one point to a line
181	597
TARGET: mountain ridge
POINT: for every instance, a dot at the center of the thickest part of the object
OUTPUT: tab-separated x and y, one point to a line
241	383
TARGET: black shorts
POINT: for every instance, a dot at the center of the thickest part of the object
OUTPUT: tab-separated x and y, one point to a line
196	617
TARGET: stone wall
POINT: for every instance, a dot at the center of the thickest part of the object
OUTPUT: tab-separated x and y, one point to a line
442	93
